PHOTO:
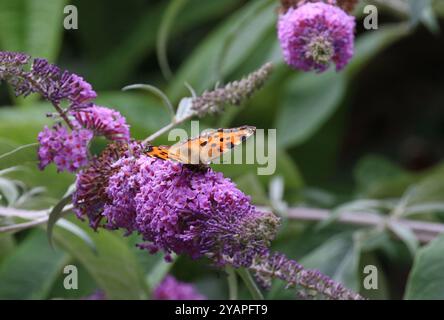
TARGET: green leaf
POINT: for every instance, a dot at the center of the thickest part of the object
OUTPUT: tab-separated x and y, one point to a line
30	271
168	19
309	101
382	291
12	28
428	189
30	26
159	271
9	191
114	267
7	245
44	27
422	11
337	258
201	67
377	177
426	280
129	51
79	232
406	235
56	214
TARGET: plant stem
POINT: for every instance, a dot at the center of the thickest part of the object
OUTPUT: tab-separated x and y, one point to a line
250	284
232	282
35	218
424	231
158	133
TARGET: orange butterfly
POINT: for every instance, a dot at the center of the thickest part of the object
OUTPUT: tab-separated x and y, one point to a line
203	149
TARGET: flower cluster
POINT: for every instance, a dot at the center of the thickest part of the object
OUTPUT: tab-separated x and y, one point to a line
176	209
194	212
45	78
68	150
346	5
171	289
314	35
91	197
65	145
103	122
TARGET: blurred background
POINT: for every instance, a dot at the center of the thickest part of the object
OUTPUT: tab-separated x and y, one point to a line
370	132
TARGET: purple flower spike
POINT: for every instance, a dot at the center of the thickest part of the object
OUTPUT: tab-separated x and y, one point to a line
46	79
171	289
316	34
184	211
103	121
76	90
68	150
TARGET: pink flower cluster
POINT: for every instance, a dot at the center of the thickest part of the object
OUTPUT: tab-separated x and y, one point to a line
314	35
172	289
104	122
68	150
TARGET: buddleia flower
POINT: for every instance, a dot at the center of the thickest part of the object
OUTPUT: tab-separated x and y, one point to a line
315	35
172	289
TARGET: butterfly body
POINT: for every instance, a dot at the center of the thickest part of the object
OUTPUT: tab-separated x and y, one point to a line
202	150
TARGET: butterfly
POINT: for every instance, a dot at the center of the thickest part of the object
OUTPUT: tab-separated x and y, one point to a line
205	148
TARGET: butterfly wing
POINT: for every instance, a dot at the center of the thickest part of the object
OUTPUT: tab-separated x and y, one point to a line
209	145
160	152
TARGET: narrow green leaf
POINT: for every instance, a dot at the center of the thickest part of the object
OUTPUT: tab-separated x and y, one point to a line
168	19
56	214
157	92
